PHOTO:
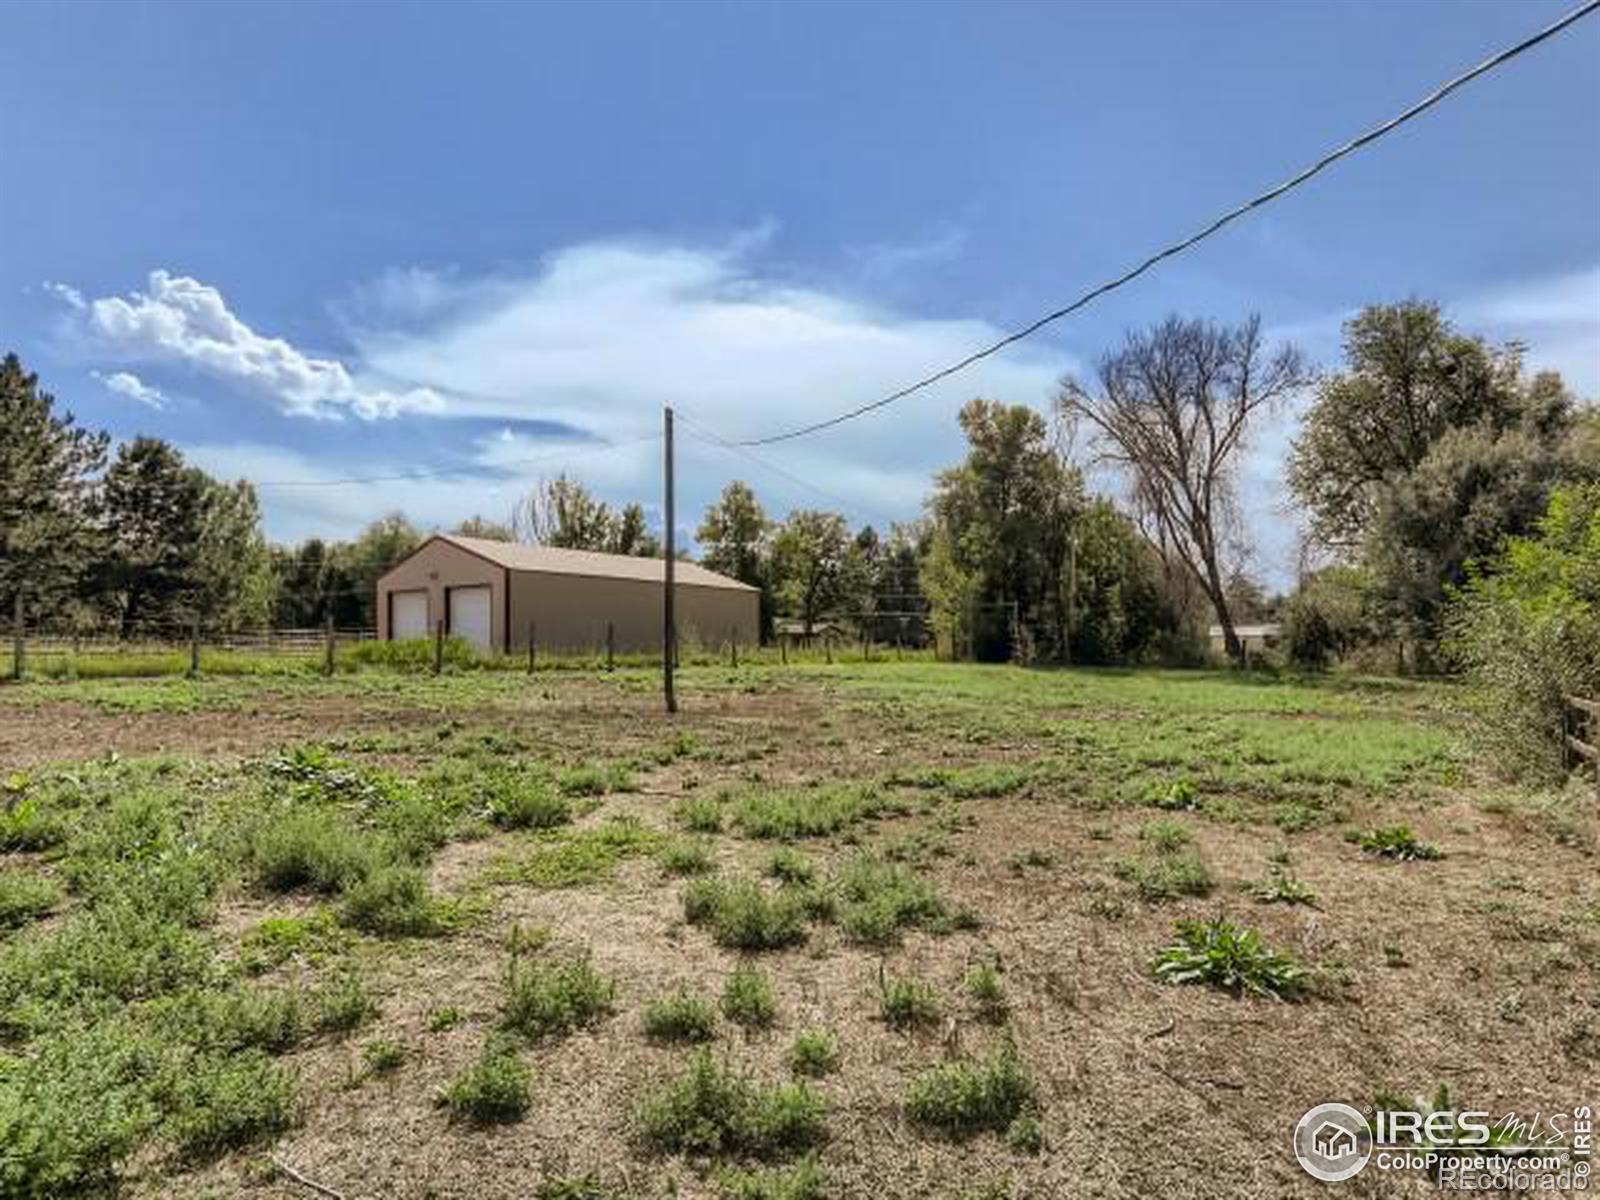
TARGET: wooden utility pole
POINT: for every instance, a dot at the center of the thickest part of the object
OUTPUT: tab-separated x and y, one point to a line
669	628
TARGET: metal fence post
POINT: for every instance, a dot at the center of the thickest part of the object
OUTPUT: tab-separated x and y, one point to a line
733	648
531	629
438	647
16	637
611	646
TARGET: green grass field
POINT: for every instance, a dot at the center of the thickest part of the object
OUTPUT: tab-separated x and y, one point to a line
897	928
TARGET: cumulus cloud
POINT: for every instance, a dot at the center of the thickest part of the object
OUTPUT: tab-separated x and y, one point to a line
1556	316
178	319
125	383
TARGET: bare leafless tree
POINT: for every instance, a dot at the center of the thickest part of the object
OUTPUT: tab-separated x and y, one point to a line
1172	411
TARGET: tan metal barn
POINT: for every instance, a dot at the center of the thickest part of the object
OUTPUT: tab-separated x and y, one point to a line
491	593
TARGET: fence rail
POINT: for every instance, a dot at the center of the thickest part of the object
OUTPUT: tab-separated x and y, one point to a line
1582	732
289	641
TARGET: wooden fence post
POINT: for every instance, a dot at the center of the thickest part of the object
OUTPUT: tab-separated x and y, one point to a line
194	648
783	649
327	658
17	650
827	645
532	629
733	648
611	646
438	647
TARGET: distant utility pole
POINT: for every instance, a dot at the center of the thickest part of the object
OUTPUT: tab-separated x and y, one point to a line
669	629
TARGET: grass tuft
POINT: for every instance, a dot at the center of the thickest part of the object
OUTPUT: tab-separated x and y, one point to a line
966	1096
552	997
745	916
713	1109
1394	841
496	1088
815	1053
748	998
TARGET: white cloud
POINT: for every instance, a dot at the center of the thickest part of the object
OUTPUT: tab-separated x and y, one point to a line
183	320
1556	316
68	295
125	383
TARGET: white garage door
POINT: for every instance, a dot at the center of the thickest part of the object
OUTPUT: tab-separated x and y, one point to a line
408	615
469	615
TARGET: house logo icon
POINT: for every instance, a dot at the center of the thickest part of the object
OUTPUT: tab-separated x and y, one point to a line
1332	1142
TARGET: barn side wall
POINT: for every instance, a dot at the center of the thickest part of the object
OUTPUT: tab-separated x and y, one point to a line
433	569
571	612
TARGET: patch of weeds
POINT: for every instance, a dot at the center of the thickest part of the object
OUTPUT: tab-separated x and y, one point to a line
552	997
903	1003
28	823
815	1053
275	940
988	781
496	1088
25	896
583	856
383	1057
790	866
984	986
685	856
595	781
216	1102
1179	795
343	1004
311	849
748	998
1226	956
1164	876
699	814
966	1096
680	1017
1394	841
526	800
1165	836
877	899
446	1018
392	901
802	1181
1281	887
1025	1135
713	1109
1297	816
745	916
1033	857
785	814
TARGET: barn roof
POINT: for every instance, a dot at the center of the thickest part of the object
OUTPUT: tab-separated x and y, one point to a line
550	560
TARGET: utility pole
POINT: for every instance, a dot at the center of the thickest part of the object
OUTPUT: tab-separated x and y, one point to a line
669	630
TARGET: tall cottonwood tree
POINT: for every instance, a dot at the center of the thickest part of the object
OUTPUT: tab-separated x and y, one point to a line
1172	410
48	468
735	538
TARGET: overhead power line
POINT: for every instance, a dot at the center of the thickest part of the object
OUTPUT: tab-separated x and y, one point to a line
1233	214
431	472
701	434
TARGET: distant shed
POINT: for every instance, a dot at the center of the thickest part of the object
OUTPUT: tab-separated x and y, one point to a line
490	593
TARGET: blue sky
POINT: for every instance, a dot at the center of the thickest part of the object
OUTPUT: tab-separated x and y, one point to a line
316	241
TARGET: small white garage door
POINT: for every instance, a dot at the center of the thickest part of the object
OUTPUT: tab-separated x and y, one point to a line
469	615
408	615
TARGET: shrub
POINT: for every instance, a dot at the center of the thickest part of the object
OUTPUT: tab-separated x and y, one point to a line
1394	841
748	998
903	1003
802	1181
1226	956
680	1017
549	998
743	915
967	1095
1025	1135
392	901
25	896
1527	630
496	1088
815	1053
687	857
713	1109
